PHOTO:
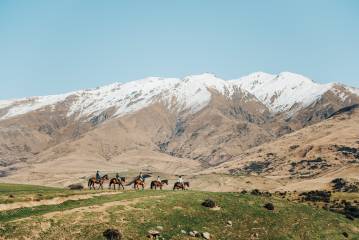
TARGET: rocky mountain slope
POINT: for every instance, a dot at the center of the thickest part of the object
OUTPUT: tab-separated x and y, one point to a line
307	159
160	124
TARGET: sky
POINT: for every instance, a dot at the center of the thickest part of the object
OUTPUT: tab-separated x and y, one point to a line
50	47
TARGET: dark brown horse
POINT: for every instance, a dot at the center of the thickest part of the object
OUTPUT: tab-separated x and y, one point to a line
92	181
138	182
156	184
115	181
179	185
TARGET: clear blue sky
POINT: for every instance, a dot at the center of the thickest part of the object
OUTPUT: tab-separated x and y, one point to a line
49	47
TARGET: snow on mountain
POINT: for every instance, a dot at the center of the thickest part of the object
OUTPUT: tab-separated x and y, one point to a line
278	92
281	92
353	90
25	105
5	103
190	94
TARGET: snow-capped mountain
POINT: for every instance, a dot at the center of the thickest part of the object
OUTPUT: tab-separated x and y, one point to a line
283	92
202	120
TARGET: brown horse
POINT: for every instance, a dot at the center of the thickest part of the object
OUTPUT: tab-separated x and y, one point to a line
115	181
138	182
92	181
155	184
179	185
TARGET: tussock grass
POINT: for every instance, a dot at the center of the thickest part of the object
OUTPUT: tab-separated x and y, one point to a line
176	211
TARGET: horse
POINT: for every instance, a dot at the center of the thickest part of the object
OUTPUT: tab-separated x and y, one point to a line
115	181
155	184
179	185
92	181
138	182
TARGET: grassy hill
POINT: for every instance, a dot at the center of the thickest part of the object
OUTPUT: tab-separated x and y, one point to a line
134	213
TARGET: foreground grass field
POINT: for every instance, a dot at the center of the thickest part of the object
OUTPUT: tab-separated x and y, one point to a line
134	213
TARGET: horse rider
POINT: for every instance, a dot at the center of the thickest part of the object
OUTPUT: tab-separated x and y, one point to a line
141	177
118	177
98	176
180	180
158	179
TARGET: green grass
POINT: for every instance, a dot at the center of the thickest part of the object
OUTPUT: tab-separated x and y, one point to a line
10	193
71	204
174	211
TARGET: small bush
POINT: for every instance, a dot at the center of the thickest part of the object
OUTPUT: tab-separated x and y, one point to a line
112	234
76	186
269	206
209	203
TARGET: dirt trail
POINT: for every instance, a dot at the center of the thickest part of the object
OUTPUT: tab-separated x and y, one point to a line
53	201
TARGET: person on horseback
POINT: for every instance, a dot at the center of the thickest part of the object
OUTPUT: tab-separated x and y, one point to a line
98	176
118	177
158	179
141	177
180	180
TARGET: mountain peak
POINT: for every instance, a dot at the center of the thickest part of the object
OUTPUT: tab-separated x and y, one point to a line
201	77
294	77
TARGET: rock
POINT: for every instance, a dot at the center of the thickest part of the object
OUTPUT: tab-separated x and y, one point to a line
11	196
229	223
345	234
76	186
183	231
206	235
209	203
159	228
112	234
254	235
194	234
153	234
269	206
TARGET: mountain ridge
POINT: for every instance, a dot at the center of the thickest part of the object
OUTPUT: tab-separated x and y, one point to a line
167	125
278	92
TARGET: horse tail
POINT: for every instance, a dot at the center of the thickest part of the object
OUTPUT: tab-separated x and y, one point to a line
89	183
152	185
